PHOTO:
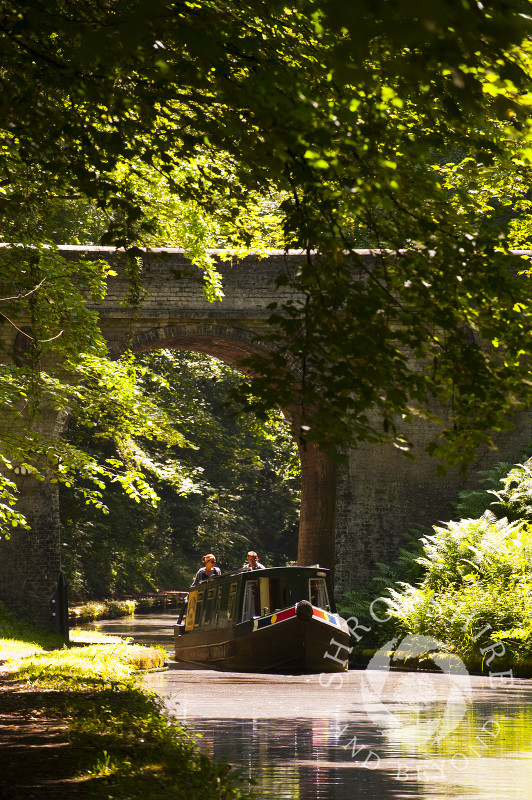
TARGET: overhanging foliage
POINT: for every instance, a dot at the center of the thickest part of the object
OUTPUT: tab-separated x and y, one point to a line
396	125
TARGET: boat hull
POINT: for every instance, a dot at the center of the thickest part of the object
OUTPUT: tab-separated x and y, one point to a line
291	645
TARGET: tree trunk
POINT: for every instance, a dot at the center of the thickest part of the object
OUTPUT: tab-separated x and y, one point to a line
317	529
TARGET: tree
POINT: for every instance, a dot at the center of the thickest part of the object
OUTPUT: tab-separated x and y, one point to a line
241	492
352	117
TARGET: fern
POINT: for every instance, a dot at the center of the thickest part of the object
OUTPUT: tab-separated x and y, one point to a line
472	503
451	581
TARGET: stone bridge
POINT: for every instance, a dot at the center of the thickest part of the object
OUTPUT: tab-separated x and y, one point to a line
351	516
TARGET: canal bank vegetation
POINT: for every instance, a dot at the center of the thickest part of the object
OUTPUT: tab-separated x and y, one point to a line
104	609
466	583
120	745
92	610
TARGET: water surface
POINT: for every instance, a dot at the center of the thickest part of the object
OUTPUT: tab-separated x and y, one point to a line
365	734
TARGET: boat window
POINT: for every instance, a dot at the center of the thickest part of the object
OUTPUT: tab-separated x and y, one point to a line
199	605
277	594
217	604
318	593
209	606
232	600
250	607
191	610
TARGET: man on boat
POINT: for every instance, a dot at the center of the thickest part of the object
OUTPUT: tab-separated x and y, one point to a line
252	562
208	571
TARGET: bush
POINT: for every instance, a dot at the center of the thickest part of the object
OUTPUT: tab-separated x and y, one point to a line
461	578
512	499
107	609
474	549
478	576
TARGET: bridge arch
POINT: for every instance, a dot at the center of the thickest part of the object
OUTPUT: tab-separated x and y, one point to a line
228	343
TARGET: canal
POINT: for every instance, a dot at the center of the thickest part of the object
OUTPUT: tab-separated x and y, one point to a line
364	734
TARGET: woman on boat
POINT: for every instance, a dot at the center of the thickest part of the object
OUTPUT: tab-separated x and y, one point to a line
208	571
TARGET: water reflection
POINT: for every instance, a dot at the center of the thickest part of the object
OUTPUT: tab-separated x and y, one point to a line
143	628
307	759
299	739
313	758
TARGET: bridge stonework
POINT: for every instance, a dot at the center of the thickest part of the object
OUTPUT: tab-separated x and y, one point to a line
352	516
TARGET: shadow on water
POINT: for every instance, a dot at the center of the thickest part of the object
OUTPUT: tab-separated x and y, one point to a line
391	737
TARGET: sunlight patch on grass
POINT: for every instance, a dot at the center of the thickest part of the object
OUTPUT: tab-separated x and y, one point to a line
106	662
16	646
78	636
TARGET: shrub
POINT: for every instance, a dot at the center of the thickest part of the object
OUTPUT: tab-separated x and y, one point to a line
506	490
461	577
482	548
106	609
478	577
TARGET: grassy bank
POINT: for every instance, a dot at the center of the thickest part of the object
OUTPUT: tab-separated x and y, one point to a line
103	609
119	745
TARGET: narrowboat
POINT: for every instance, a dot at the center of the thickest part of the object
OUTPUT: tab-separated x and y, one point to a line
279	619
